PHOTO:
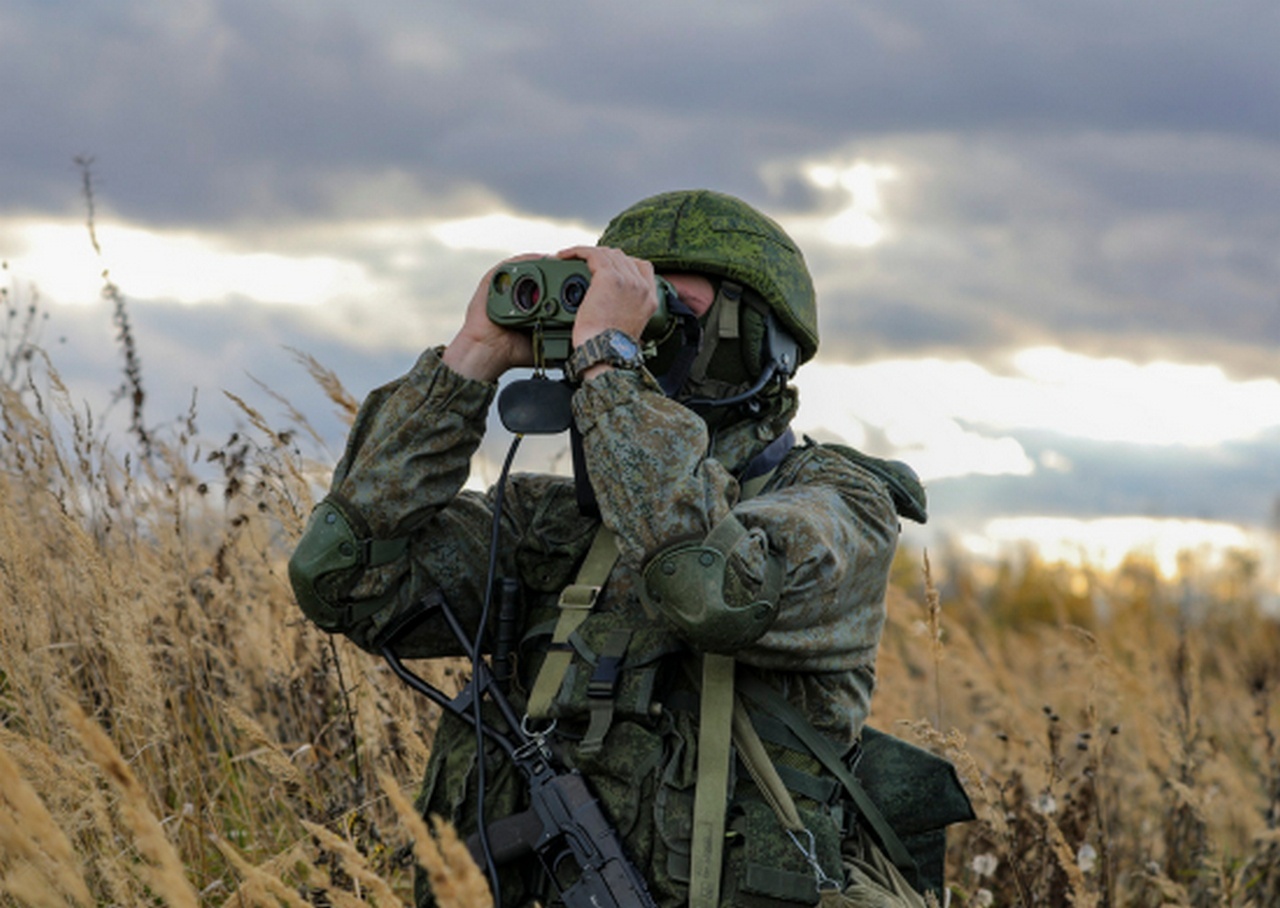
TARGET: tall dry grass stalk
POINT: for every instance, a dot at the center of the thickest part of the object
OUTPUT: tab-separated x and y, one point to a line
456	881
1099	774
160	868
49	871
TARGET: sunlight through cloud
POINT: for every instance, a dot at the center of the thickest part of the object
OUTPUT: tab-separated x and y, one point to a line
507	233
58	258
860	222
1157	403
952	418
1106	541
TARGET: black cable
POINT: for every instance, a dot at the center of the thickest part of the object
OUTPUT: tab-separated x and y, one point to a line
477	649
765	377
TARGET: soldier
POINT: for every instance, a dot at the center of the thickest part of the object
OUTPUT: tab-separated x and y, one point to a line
716	539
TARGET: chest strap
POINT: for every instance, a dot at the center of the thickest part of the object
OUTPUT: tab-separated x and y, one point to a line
717	708
711	794
576	602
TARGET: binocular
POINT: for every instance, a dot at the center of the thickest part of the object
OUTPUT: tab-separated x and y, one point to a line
542	296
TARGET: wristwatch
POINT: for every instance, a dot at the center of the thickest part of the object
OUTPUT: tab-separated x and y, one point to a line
612	346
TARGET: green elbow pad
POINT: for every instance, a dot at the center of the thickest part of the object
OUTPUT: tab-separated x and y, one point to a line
329	559
686	583
327	554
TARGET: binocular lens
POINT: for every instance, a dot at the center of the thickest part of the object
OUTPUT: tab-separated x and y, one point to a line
526	294
572	291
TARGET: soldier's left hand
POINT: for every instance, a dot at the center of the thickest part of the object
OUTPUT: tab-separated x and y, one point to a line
622	294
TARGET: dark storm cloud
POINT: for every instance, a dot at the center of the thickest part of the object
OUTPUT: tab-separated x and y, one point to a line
239	109
833	69
1096	175
1140	245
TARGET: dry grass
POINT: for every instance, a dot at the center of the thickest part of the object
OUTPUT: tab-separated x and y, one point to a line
1120	760
171	731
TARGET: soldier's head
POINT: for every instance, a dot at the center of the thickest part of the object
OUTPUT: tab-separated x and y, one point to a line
757	311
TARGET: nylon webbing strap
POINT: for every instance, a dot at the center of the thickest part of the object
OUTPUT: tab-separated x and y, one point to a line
383	551
711	795
765	774
752	487
576	603
822	748
723	314
601	689
717	729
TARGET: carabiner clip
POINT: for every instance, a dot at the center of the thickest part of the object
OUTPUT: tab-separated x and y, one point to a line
811	856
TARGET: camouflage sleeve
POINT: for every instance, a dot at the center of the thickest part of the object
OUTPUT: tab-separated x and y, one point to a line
647	460
832	526
837	528
397	489
411	445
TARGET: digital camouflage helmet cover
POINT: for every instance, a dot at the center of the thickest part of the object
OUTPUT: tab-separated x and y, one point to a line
708	232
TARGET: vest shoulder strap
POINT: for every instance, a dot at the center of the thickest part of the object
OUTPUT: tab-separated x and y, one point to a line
576	602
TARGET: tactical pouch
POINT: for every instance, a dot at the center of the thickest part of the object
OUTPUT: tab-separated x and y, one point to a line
920	796
613	671
764	868
906	796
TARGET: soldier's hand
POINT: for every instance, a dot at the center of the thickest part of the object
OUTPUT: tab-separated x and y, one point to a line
482	350
622	293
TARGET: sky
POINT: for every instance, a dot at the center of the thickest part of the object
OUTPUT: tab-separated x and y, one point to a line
1045	236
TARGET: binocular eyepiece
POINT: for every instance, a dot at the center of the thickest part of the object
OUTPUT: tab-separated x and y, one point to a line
543	296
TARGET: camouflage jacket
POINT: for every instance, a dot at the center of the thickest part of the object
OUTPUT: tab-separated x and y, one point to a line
659	479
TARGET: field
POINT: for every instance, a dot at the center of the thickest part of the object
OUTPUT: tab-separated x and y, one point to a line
171	731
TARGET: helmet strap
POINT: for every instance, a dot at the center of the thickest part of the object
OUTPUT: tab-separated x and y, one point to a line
722	323
769	356
690	327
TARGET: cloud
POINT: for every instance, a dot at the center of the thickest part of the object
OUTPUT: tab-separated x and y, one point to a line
1106	542
1100	176
185	267
197	353
1044	389
502	233
219	110
997	242
1060	434
1237	482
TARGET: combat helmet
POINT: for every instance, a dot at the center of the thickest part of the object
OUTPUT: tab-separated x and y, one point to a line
712	233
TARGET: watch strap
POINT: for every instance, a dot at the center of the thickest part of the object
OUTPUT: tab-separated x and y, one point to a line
610	346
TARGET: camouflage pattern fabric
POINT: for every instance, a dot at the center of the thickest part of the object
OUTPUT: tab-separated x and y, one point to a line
659	479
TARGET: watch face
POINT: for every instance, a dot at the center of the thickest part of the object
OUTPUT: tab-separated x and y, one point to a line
624	346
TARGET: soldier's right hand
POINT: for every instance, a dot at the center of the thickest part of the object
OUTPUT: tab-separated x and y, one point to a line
482	350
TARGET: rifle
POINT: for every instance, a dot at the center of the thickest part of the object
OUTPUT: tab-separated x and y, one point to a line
564	826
